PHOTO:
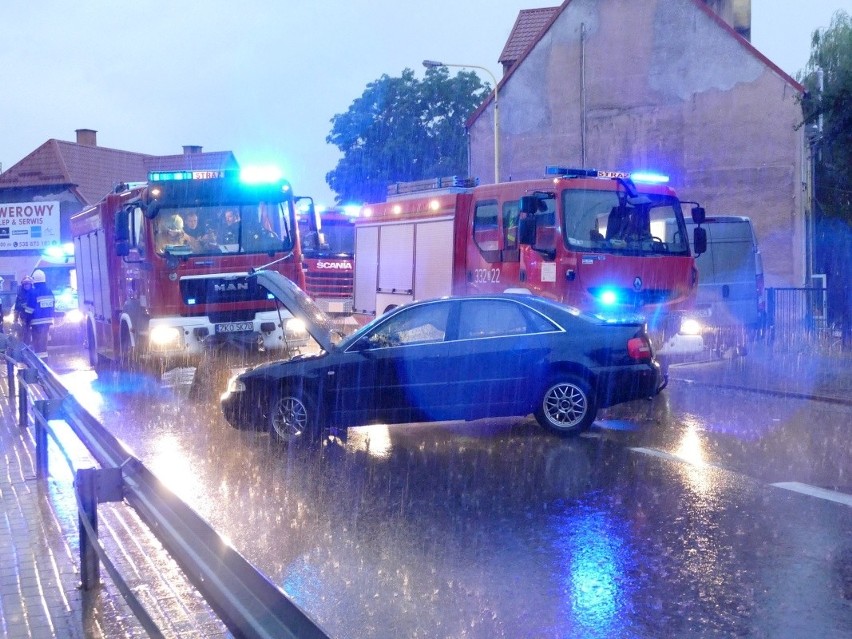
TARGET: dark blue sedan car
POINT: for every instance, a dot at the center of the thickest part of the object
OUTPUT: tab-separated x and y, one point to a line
455	358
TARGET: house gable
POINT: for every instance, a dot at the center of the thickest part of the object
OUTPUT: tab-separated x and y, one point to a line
93	171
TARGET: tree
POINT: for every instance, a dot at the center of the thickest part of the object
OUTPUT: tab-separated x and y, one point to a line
827	109
403	129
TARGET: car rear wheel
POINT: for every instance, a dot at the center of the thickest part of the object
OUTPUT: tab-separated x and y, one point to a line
292	417
567	406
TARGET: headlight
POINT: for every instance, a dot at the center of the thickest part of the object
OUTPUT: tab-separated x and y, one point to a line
235	385
690	327
74	316
295	326
163	336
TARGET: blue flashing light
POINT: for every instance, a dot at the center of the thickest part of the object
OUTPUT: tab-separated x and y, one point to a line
260	175
647	177
58	253
352	210
608	297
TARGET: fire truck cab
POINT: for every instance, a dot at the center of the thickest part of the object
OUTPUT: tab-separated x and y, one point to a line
163	268
328	245
587	238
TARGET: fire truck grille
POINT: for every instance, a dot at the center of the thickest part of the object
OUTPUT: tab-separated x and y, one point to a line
220	290
329	284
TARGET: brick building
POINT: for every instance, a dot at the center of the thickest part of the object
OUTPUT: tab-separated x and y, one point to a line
667	85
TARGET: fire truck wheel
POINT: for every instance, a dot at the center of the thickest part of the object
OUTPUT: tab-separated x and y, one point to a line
567	406
292	417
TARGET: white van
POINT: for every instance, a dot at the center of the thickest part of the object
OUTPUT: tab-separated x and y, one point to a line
730	299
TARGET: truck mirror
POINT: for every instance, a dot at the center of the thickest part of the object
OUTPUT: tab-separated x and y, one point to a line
122	226
152	209
529	204
122	248
526	229
698	214
699	240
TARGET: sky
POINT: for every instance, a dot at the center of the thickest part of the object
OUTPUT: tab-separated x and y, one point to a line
260	78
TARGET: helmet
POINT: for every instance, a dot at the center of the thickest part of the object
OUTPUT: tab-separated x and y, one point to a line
38	276
174	224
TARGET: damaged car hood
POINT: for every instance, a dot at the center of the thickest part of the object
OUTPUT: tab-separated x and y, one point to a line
319	325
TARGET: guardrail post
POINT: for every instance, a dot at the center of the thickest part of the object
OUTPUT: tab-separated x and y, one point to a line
94	486
86	493
45	409
25	377
10	373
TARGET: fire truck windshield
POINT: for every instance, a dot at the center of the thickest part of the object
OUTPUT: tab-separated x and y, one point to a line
336	237
603	221
204	230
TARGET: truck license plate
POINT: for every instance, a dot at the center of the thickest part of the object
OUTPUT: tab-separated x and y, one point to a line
234	327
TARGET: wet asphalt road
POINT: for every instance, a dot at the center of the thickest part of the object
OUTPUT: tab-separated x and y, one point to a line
660	522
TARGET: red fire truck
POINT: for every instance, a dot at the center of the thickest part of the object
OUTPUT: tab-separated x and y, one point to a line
591	239
328	247
162	275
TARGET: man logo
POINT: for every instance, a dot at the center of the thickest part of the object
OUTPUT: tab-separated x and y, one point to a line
230	286
637	284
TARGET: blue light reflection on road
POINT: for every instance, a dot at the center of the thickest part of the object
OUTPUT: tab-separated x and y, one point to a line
598	564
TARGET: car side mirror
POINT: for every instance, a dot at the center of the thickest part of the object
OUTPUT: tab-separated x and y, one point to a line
698	214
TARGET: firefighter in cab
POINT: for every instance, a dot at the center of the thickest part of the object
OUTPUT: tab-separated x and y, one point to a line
39	313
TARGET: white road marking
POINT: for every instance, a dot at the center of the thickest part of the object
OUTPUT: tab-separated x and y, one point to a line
805	489
815	491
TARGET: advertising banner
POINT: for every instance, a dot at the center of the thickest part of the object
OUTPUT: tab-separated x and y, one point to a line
28	225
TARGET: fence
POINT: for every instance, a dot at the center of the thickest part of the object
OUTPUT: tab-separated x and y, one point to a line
798	317
243	598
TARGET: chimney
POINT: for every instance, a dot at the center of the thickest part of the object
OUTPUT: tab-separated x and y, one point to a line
87	137
191	149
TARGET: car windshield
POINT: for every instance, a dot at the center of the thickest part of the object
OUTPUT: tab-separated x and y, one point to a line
605	221
202	230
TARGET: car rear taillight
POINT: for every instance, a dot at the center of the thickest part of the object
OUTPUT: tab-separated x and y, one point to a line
761	293
639	348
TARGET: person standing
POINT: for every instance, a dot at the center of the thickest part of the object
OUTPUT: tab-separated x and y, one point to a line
21	317
39	306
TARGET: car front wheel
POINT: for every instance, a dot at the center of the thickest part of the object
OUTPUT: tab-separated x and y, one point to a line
292	417
567	406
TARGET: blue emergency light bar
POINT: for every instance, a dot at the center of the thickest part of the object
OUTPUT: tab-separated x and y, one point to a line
564	171
168	176
647	177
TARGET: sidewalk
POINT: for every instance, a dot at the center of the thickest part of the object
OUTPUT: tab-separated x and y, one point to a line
40	594
804	374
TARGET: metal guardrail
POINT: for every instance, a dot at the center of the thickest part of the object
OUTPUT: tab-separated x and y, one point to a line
244	599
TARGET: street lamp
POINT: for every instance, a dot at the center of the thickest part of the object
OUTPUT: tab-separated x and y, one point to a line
431	64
